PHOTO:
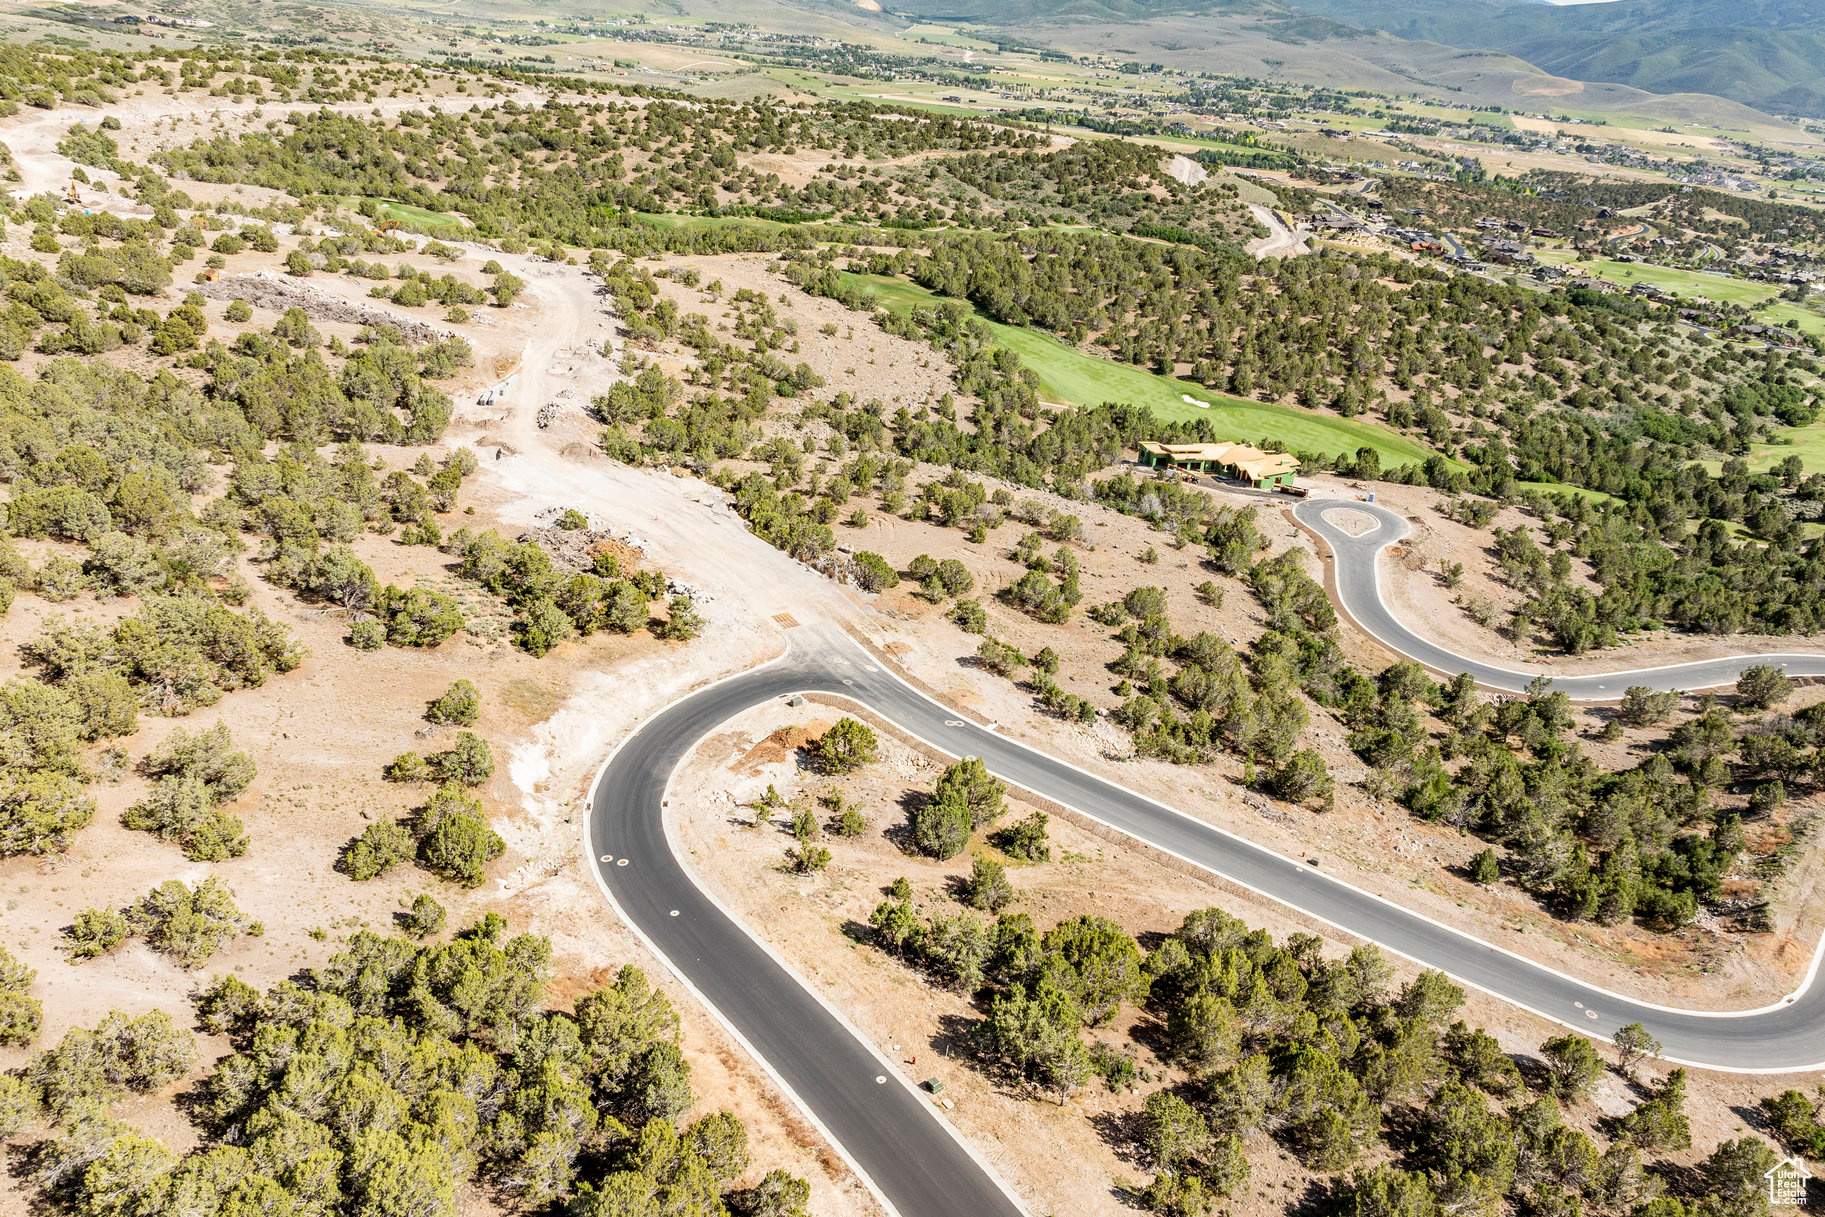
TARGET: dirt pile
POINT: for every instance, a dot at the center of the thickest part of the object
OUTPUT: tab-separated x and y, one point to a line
264	289
1186	170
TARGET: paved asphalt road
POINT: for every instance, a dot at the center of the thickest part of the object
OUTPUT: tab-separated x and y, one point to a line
1359	588
888	1131
892	1133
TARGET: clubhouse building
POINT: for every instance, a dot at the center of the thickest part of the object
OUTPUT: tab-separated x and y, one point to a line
1239	462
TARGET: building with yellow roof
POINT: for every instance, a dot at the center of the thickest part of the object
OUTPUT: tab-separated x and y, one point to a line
1242	462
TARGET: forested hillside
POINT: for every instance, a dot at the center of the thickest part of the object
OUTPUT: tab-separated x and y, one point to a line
1510	386
1570	204
584	174
260	431
385	1083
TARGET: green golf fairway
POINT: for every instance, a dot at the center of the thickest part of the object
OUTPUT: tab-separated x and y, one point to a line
1072	377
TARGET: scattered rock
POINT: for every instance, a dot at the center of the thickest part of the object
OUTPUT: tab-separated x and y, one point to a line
1611	1100
266	289
575	549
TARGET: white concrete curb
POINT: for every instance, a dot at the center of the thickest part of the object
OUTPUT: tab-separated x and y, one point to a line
889	1069
1806	983
1521	676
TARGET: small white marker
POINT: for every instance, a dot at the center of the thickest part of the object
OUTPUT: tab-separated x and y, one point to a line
620	861
674	912
879	1080
608	857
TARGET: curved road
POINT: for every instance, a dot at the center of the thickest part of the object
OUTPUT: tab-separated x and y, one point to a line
1641	230
888	1131
907	1154
1359	590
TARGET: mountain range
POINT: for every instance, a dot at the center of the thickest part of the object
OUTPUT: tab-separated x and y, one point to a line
1768	54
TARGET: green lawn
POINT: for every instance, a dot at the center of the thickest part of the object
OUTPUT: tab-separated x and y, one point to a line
1807	443
892	93
405	213
1073	377
944	34
1720	289
1796	317
795	78
678	219
1497	122
1583	492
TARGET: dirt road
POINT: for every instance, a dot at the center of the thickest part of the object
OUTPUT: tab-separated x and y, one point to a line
160	120
684	524
1280	241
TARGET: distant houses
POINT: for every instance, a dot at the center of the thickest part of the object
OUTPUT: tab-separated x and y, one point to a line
194	23
1337	222
1773	335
